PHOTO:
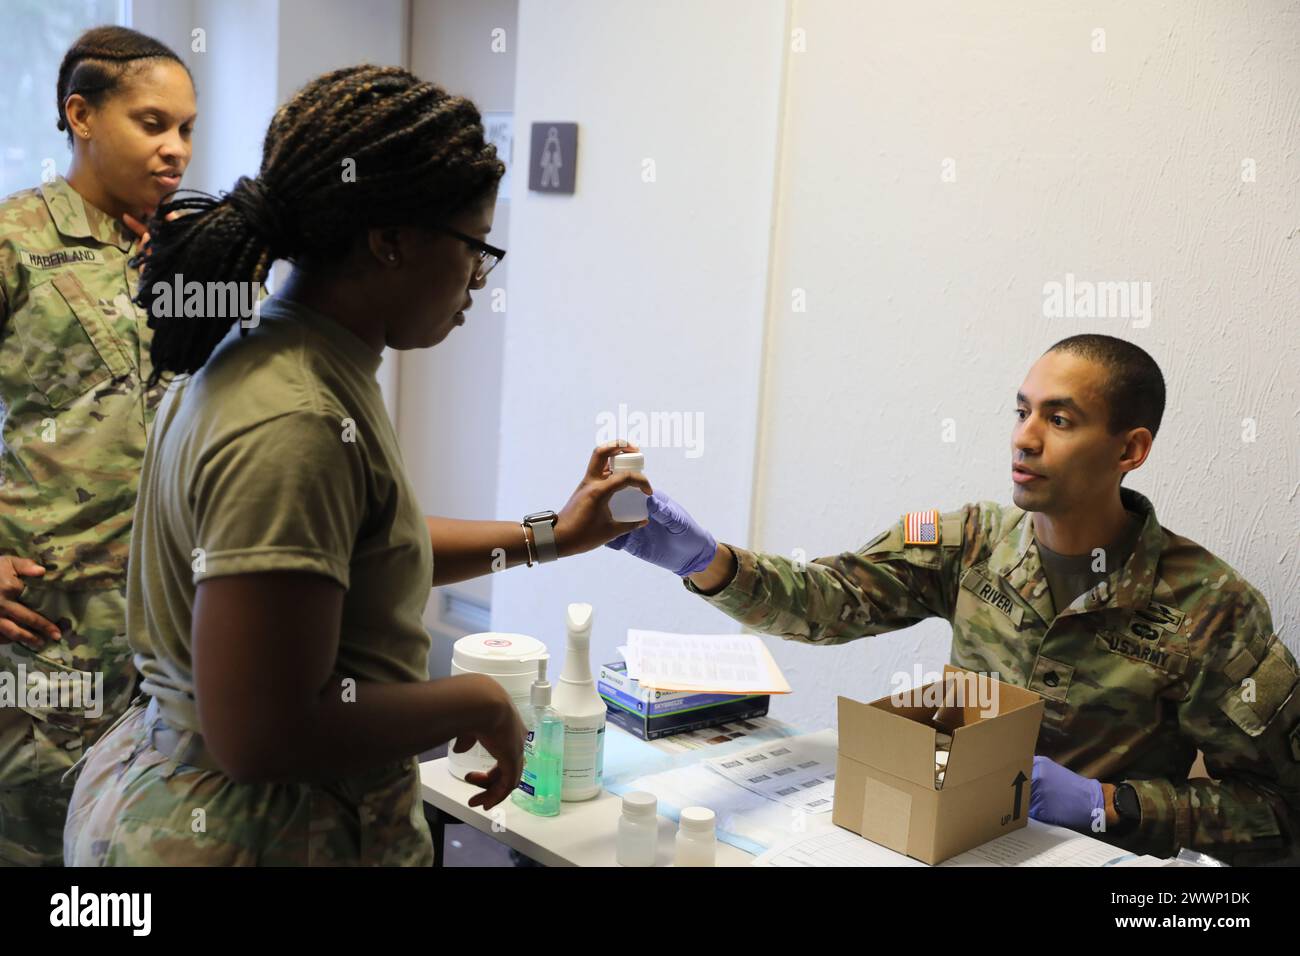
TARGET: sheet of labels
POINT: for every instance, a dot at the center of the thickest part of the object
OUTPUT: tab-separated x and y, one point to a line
797	771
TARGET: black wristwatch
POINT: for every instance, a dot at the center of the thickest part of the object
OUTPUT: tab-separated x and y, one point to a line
1127	807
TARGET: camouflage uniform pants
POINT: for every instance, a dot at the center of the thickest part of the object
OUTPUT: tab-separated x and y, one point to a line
41	739
134	806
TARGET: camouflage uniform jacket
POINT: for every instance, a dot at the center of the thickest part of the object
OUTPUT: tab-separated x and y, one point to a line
74	353
1170	653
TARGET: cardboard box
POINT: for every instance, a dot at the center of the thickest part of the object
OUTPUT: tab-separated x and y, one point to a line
651	714
885	775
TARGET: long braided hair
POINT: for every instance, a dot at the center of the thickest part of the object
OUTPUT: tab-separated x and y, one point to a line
96	64
358	148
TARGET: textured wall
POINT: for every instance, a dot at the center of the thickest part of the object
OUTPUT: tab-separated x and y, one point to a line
922	279
925	296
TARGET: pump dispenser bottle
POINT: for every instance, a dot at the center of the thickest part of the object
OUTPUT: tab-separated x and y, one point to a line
539	787
583	710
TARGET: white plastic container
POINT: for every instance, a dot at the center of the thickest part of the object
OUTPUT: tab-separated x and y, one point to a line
510	660
583	710
628	504
697	841
638	829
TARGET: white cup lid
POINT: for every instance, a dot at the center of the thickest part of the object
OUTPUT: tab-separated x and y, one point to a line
492	652
640	803
629	461
697	818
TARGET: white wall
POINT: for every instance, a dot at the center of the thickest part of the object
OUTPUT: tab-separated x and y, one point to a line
237	95
925	297
649	294
449	416
317	36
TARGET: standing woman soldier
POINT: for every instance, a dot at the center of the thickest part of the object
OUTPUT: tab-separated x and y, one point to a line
74	361
280	565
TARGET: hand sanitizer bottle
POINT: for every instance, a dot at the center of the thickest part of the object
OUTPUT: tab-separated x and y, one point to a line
539	787
628	504
583	710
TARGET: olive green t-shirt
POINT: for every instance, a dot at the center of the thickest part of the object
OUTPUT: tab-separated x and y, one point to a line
1069	575
278	455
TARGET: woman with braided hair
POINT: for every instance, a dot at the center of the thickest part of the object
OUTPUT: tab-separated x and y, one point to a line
74	368
280	564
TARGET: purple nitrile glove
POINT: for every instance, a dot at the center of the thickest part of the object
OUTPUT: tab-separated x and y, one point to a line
672	539
1060	796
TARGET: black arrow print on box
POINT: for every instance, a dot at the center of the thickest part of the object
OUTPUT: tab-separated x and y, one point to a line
1019	784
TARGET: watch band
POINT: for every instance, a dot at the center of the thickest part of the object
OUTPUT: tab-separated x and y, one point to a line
543	527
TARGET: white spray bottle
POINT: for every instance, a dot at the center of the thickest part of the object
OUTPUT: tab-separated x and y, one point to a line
583	710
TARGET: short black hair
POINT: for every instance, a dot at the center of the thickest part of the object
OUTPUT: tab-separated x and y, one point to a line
1134	388
97	62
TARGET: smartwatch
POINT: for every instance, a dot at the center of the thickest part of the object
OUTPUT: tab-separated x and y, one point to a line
542	524
1127	807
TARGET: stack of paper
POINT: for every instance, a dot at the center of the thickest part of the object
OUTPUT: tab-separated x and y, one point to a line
702	663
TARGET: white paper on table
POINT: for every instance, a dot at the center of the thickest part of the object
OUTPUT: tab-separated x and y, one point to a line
1142	861
1040	844
798	772
832	846
707	663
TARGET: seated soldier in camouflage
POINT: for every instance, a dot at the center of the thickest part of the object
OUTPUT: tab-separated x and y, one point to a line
1144	645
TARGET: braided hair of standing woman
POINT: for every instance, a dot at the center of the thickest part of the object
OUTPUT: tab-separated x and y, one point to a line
359	148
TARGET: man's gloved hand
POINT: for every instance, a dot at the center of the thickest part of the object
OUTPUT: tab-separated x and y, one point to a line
1060	796
672	539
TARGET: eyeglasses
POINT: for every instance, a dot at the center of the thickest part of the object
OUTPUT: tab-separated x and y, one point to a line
488	255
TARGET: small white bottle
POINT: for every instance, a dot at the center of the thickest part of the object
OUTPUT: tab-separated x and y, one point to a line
628	504
697	843
583	710
638	829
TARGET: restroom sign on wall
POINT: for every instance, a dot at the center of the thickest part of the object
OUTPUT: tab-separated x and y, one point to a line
553	156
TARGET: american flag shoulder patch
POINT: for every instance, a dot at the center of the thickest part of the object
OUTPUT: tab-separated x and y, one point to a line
921	527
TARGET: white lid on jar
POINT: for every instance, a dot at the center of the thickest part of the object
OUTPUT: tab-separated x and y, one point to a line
697	819
629	461
639	803
497	653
